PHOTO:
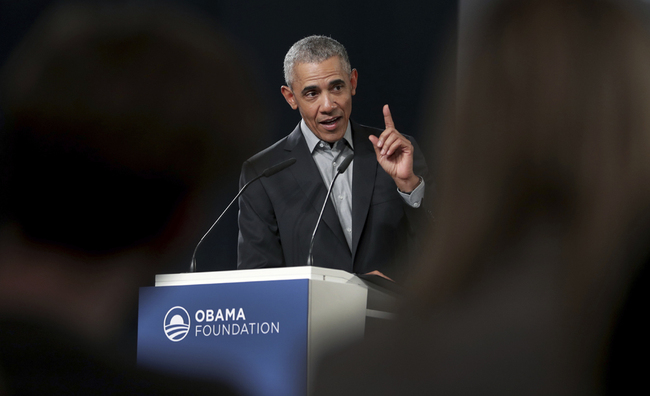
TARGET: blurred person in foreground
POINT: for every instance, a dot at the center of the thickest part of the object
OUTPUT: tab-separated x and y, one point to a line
120	122
542	235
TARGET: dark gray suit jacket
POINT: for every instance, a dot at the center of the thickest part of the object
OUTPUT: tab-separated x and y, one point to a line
277	214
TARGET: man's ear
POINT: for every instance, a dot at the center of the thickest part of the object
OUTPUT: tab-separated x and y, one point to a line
289	96
354	78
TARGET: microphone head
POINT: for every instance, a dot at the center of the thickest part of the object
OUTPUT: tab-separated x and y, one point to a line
277	168
346	162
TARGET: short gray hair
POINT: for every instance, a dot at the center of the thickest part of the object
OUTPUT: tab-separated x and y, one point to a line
314	49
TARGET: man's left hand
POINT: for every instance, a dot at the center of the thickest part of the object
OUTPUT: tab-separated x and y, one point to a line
395	154
378	273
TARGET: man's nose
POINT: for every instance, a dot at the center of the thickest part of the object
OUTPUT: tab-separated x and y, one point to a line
328	103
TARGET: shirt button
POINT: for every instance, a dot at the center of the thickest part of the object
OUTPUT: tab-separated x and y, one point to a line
349	229
340	196
416	205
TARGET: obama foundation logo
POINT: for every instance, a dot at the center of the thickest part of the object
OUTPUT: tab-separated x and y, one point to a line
177	324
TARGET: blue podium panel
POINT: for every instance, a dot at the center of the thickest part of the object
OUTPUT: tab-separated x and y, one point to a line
253	335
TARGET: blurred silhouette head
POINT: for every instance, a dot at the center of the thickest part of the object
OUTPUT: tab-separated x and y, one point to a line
552	131
115	117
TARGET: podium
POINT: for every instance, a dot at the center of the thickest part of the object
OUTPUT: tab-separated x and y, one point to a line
262	331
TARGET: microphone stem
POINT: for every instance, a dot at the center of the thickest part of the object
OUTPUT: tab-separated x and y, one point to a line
310	258
267	172
193	265
342	168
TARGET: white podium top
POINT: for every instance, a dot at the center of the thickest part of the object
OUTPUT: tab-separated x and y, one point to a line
258	275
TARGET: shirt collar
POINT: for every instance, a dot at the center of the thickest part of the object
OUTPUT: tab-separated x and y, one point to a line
312	140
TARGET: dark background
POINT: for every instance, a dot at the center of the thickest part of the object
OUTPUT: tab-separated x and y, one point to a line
399	48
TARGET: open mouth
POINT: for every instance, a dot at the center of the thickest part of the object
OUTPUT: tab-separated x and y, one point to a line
330	122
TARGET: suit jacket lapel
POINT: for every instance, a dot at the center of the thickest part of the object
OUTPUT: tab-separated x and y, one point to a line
311	183
363	181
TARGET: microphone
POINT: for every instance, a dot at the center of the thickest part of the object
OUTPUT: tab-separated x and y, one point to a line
342	167
266	173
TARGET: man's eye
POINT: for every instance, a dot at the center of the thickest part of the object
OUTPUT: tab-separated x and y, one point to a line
338	87
310	94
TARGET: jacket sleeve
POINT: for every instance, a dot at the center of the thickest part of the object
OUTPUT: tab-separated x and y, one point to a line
421	219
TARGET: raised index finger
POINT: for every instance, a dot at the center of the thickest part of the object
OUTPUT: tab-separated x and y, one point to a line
388	118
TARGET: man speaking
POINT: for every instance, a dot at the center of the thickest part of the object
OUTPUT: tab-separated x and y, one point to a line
374	204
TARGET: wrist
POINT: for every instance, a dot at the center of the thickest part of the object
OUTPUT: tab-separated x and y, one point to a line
407	186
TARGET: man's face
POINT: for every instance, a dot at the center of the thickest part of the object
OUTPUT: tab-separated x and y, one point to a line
322	92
